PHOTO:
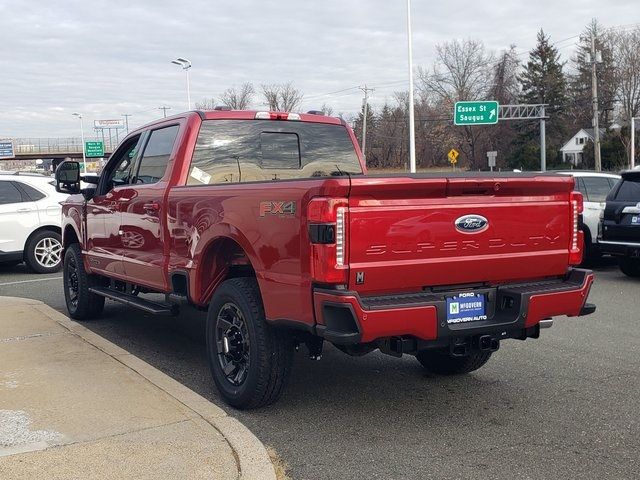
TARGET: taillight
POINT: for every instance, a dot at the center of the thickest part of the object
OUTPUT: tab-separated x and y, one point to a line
327	219
577	235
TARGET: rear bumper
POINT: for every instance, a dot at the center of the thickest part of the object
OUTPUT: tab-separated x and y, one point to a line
624	249
513	310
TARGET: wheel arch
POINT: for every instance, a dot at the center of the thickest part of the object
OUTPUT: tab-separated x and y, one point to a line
43	228
69	236
221	259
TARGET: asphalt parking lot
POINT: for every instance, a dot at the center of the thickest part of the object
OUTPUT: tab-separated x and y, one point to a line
565	405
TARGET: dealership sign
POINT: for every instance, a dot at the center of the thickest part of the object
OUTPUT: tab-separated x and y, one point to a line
108	124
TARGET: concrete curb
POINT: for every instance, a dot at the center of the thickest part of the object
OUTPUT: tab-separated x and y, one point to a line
251	454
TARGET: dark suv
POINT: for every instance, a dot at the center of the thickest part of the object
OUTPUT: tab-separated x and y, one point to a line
620	225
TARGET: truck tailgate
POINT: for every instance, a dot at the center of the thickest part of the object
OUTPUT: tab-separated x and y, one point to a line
402	233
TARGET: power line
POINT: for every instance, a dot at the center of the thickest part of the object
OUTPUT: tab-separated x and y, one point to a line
492	64
332	93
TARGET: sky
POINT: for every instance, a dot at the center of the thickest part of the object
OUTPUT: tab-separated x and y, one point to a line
107	58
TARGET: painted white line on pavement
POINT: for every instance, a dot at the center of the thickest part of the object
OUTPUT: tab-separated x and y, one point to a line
30	281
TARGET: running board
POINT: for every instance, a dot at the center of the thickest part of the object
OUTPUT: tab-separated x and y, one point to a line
139	303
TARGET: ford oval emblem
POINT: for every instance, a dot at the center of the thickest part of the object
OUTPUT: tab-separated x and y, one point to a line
472	224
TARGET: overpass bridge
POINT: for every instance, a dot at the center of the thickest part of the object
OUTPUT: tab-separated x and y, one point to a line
60	147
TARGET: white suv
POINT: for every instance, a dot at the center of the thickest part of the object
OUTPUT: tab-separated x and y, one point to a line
594	187
30	221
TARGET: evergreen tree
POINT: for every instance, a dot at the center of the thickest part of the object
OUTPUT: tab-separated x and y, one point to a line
543	81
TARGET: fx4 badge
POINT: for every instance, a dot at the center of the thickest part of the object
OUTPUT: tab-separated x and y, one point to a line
277	208
471	224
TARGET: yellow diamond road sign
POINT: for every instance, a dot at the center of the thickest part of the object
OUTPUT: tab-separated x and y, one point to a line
453	155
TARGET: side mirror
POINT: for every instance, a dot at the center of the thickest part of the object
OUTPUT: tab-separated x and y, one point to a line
68	177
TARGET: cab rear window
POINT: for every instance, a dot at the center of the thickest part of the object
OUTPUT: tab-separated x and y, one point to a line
233	151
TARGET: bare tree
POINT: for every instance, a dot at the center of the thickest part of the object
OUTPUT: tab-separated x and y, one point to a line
327	110
462	71
282	98
238	99
505	87
626	56
206	104
270	94
290	97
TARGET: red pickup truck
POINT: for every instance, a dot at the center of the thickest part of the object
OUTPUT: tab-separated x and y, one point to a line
269	222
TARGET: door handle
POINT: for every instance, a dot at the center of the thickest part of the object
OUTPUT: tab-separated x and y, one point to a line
151	207
23	210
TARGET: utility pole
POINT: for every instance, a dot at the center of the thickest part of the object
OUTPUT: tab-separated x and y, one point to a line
412	127
543	140
126	120
164	110
365	104
595	58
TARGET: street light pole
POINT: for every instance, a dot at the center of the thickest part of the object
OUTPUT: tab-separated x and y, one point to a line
84	158
633	142
412	128
186	65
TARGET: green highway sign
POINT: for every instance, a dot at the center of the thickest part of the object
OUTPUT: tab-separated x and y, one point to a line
476	113
94	149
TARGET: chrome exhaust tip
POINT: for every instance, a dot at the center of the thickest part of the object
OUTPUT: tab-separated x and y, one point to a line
548	323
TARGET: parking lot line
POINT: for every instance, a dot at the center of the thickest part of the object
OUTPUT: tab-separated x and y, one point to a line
30	281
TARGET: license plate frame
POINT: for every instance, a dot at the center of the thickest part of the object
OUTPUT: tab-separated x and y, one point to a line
466	307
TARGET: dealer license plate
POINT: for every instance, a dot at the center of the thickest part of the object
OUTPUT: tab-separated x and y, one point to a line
466	307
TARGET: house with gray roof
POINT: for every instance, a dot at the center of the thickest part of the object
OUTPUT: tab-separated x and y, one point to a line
572	150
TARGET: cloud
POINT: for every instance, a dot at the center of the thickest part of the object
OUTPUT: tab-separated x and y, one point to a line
106	58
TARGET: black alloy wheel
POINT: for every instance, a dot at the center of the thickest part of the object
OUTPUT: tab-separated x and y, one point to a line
232	342
71	282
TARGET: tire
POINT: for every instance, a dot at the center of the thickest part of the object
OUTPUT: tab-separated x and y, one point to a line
81	303
591	251
444	364
257	357
43	252
630	267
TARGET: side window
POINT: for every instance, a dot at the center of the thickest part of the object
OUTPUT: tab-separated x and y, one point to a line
33	194
155	157
9	193
120	167
597	188
580	188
